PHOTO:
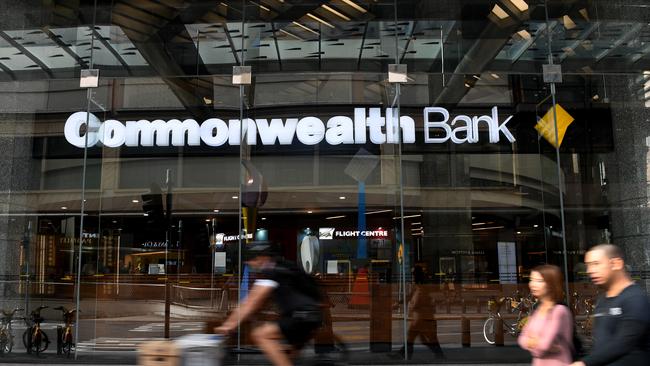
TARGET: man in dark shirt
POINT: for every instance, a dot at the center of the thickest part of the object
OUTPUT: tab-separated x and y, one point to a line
296	295
622	316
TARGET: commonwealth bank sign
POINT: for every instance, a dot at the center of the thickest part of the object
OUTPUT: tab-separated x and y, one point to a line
364	126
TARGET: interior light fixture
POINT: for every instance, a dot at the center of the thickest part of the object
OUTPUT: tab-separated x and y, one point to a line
521	5
304	27
499	12
215	211
487	228
495	76
568	22
535	225
518	232
478	223
355	6
261	6
406	217
235	197
416	223
584	13
263	218
376	212
320	20
335	217
291	34
64	208
341	197
135	201
310	212
524	34
336	12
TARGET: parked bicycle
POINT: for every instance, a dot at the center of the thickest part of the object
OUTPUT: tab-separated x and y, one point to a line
65	342
6	332
522	307
34	338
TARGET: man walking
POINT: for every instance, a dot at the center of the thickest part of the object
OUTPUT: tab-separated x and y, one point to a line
622	316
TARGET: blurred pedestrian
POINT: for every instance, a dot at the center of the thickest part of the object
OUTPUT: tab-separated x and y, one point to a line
621	331
548	334
422	323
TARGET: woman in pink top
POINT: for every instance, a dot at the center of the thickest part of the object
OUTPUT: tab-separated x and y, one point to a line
548	335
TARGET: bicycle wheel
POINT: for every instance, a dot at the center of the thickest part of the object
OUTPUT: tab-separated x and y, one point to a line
67	345
4	343
67	348
27	339
489	331
40	342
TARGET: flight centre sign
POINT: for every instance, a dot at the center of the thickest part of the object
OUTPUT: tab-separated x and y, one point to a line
366	125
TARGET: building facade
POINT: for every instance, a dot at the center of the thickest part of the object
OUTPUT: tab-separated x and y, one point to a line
473	138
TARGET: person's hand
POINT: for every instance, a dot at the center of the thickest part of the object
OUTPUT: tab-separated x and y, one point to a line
223	329
578	363
531	342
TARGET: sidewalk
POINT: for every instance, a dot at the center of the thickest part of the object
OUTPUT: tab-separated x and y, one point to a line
454	356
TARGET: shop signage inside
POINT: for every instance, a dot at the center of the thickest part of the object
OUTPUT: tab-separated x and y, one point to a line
366	125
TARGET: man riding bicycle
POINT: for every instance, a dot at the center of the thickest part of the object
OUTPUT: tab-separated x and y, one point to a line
296	295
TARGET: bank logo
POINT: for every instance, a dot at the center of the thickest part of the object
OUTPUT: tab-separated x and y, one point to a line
366	126
326	233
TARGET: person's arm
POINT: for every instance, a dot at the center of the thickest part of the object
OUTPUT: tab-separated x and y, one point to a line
628	333
261	291
558	319
523	339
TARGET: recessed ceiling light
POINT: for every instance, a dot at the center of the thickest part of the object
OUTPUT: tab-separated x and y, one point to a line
263	218
495	75
524	34
215	210
337	13
499	12
341	197
235	197
64	208
320	20
355	6
518	232
135	201
535	225
145	214
335	217
521	5
568	22
310	212
304	27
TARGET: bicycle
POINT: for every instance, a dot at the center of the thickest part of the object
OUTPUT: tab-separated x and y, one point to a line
34	338
64	342
522	307
6	332
584	307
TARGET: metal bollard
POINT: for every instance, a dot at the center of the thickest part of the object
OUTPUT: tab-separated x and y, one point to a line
466	340
498	332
